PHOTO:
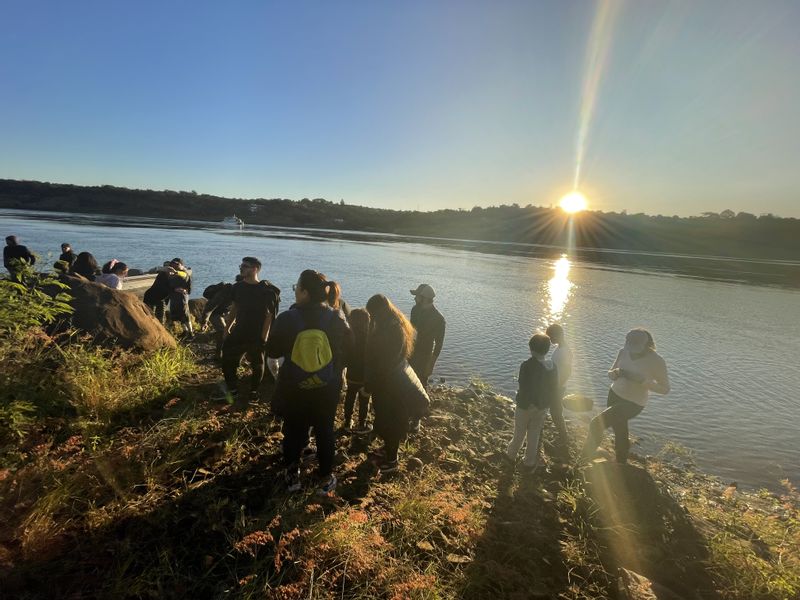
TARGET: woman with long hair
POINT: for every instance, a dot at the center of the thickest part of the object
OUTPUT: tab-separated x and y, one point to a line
637	371
314	341
85	265
396	391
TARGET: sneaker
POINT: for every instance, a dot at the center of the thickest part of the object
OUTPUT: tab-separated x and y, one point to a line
226	396
309	453
389	467
362	430
327	486
292	478
255	396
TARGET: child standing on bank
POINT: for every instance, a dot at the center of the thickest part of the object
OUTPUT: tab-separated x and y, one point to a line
538	387
359	323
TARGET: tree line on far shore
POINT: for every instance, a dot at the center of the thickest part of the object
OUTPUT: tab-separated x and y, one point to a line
736	235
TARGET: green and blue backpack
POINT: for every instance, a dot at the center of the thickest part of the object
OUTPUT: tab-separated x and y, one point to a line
311	362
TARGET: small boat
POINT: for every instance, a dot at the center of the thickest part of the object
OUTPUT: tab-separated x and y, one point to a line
233	222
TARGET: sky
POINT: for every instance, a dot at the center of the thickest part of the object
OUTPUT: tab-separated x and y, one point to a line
682	107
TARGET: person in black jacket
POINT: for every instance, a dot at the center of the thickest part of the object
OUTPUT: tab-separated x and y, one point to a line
220	298
538	389
358	320
315	343
67	255
14	255
180	286
155	297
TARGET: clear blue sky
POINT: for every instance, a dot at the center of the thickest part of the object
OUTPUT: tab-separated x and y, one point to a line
408	104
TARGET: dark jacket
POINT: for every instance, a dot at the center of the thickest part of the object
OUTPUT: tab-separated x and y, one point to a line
19	253
68	257
430	326
286	326
538	385
159	291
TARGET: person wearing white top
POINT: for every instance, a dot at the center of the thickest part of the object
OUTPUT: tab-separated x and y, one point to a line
637	371
114	272
562	359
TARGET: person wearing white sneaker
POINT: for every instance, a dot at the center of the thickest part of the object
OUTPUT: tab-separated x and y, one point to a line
538	386
314	341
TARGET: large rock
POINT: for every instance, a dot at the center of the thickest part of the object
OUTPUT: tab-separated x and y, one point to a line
115	317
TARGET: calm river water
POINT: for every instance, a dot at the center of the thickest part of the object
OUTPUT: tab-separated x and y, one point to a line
732	349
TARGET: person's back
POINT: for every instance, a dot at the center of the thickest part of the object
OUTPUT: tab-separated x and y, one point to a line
15	253
254	303
538	383
538	386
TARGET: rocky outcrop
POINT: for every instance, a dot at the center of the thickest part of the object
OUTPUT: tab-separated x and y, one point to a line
114	317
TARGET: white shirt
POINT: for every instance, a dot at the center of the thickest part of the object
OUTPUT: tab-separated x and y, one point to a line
562	359
109	280
650	369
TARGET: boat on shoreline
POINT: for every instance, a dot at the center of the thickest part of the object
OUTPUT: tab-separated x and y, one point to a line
233	222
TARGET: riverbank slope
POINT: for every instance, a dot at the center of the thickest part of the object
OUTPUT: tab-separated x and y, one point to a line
163	493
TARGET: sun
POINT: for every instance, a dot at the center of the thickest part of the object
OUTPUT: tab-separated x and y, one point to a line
573	202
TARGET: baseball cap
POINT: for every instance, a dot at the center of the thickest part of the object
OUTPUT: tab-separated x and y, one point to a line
424	290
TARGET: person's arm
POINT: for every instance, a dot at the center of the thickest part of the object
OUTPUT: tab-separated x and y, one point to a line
6	260
660	382
613	372
231	319
524	386
438	340
266	326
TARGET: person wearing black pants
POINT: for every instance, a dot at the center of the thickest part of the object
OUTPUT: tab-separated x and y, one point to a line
315	342
254	304
637	371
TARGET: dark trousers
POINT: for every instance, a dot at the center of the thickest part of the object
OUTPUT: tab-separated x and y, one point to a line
353	390
217	320
391	444
616	416
158	310
305	409
232	352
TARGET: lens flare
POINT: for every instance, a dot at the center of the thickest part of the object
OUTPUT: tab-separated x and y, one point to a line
573	202
596	58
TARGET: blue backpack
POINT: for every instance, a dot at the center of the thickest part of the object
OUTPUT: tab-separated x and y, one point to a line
310	365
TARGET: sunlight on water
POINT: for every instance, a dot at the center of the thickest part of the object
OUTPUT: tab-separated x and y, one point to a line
559	288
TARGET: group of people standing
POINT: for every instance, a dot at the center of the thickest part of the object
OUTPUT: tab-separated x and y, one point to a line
322	345
376	353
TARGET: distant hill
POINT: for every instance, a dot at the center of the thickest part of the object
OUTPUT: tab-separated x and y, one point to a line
728	234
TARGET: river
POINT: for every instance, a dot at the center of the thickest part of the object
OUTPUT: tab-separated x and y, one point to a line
732	348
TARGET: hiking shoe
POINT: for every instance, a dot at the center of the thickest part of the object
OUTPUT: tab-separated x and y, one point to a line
226	396
292	478
389	467
327	486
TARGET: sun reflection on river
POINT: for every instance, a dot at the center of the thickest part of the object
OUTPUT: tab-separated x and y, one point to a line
559	288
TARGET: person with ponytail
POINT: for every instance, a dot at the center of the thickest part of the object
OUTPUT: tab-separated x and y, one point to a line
315	342
112	275
397	394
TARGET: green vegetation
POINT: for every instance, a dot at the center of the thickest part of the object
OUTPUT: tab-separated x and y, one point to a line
120	479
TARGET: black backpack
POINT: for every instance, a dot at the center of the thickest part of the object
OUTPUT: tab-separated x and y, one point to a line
212	290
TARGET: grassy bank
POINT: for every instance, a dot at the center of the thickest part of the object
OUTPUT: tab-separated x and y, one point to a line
121	479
